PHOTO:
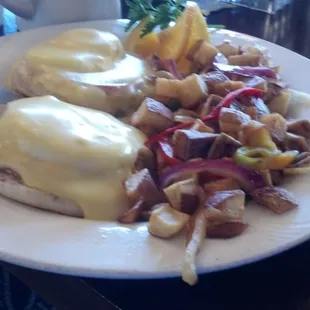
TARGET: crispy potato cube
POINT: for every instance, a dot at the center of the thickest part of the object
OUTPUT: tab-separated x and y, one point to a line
167	87
141	184
277	199
244	60
152	117
165	221
193	89
183	195
221	185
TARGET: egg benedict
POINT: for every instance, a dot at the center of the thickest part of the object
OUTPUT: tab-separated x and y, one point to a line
85	67
67	159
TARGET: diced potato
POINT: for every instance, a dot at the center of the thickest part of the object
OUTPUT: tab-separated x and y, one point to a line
185	112
255	134
160	161
192	90
203	54
152	117
263	52
221	185
165	221
164	100
295	142
200	126
182	119
146	214
145	159
257	82
223	146
214	215
184	116
173	194
185	176
189	91
226	230
255	49
244	60
209	105
280	103
183	195
222	89
276	125
276	177
231	120
167	88
133	214
142	185
299	127
227	49
277	199
190	144
230	203
213	78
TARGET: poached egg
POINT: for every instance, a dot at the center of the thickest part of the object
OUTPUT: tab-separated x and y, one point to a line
71	152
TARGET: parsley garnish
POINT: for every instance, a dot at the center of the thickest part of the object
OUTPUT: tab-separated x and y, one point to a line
160	15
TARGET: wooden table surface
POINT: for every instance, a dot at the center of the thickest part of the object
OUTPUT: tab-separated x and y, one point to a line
281	282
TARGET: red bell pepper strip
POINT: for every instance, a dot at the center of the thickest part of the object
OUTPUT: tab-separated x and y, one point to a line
214	114
166	151
229	98
166	133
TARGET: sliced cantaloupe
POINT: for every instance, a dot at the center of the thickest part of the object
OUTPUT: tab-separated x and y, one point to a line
198	31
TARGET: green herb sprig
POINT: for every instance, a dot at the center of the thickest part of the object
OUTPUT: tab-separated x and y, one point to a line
160	15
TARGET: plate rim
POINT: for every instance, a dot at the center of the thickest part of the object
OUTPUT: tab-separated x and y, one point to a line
136	274
140	275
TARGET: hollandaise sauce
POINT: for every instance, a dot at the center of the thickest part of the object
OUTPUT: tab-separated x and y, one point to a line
69	151
79	50
85	67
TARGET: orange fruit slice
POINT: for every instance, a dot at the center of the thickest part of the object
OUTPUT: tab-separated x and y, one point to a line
147	45
174	39
134	36
198	31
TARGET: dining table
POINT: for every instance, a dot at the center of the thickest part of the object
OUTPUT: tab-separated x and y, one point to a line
279	282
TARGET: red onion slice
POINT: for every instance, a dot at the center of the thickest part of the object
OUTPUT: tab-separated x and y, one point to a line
249	180
247	70
167	65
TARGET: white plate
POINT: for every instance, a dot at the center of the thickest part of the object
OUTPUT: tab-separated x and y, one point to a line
44	241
